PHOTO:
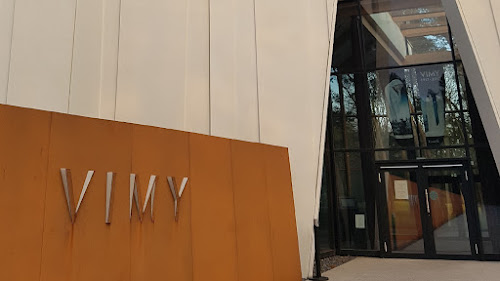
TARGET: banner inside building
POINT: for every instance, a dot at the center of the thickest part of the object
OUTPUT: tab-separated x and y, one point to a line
431	87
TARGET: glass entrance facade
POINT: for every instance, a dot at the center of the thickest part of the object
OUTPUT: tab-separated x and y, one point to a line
408	169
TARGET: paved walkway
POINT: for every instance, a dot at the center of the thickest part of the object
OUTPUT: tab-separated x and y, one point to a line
378	269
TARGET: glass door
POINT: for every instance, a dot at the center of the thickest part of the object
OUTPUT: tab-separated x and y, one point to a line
426	210
446	192
403	213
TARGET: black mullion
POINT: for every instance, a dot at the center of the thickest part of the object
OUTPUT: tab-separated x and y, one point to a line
415	116
365	126
372	69
330	177
399	149
473	225
425	217
383	219
333	184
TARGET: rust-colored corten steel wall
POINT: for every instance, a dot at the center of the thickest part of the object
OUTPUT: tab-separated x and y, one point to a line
236	217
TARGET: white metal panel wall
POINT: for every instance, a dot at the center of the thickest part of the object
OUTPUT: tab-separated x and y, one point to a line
6	22
253	70
40	63
95	57
233	70
197	97
292	55
152	63
84	91
474	24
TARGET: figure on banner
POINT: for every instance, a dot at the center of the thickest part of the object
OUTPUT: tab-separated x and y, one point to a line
398	110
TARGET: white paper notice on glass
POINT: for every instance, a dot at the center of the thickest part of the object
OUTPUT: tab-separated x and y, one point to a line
401	189
359	220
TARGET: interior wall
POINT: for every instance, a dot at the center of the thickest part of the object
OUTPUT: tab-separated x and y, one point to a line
251	70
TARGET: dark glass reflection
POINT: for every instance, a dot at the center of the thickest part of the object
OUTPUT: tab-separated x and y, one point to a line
398	33
344	53
398	93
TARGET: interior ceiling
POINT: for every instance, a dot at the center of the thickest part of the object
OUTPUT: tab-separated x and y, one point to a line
414	18
379	6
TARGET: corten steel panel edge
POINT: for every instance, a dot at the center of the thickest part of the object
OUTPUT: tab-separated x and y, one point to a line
24	142
284	238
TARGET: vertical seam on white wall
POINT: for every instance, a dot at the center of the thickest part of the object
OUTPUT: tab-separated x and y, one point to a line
186	126
72	56
257	70
117	57
209	68
234	133
10	53
101	58
494	20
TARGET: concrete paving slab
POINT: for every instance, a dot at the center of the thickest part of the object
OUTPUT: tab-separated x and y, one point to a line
378	269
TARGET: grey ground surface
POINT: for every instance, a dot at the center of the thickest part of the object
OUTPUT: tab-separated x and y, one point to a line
333	261
378	269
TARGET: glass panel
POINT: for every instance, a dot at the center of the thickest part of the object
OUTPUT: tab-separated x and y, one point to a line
377	101
345	132
338	133
356	218
324	235
449	219
487	181
397	102
444	153
405	225
400	33
483	222
463	88
335	94
452	95
454	133
344	57
352	132
468	127
349	94
381	130
392	102
430	82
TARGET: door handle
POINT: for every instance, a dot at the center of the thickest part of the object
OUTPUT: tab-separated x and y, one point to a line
427	201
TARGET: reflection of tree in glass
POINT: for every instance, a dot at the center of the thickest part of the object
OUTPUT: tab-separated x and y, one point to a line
349	92
454	134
